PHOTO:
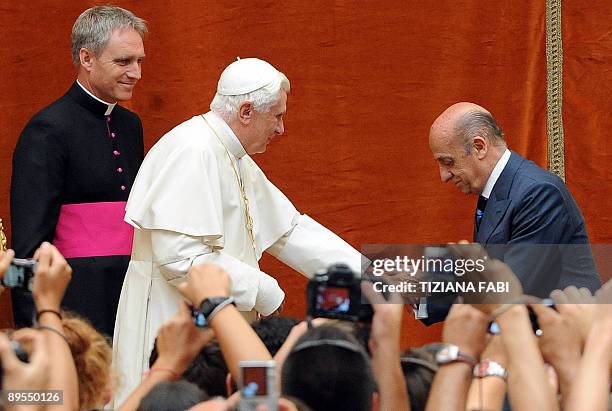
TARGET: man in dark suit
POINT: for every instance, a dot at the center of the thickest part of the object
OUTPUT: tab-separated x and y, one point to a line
526	211
75	163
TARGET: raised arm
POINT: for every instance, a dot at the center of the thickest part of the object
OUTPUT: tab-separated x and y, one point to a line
50	281
178	343
236	337
591	387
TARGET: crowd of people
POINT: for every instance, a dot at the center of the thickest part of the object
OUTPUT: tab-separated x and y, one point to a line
324	364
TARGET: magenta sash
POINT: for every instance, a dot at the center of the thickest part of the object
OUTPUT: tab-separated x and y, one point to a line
93	230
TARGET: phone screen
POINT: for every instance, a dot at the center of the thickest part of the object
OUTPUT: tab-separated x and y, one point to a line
258	376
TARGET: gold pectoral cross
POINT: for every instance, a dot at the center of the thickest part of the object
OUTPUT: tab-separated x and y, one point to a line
248	219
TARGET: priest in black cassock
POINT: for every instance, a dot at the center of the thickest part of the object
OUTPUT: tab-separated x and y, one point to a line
75	163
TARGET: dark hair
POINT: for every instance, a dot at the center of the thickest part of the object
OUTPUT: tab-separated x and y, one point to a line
419	368
329	370
273	331
208	369
479	123
172	395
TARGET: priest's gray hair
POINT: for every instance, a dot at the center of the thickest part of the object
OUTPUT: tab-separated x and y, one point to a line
93	28
262	99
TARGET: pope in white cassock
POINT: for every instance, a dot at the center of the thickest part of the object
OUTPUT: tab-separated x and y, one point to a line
199	197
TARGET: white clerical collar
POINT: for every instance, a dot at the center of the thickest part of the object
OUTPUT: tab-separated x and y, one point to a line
229	137
111	106
499	167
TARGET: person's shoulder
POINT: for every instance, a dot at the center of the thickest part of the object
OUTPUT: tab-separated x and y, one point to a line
190	133
536	186
52	122
531	175
126	113
190	138
54	112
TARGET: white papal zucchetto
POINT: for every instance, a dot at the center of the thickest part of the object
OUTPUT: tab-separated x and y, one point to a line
245	76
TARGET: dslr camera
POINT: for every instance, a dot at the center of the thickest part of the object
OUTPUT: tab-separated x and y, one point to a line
20	274
336	293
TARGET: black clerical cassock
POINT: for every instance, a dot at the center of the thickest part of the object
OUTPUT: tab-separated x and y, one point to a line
73	168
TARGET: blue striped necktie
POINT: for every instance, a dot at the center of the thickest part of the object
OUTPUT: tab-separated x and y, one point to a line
480	210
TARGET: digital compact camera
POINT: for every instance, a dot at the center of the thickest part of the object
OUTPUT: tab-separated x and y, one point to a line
336	293
20	274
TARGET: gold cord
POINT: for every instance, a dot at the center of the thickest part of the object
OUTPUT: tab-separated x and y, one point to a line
554	88
245	198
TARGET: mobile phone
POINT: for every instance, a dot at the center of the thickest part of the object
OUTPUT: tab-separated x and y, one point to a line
258	385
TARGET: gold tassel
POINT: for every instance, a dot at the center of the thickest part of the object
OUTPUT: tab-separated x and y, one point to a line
2	237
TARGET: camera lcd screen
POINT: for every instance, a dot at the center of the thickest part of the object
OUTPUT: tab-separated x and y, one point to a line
333	300
258	376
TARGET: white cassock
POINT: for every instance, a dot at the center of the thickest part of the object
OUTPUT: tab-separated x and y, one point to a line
187	207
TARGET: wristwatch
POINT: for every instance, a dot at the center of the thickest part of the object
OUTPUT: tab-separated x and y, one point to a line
450	353
487	368
211	306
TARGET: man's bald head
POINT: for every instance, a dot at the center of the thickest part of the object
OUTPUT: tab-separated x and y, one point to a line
465	120
467	143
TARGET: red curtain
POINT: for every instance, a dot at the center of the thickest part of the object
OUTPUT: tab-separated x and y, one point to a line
368	78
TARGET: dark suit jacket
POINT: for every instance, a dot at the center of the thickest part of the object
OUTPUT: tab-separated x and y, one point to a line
532	223
538	229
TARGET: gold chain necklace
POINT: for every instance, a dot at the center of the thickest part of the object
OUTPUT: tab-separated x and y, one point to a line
245	198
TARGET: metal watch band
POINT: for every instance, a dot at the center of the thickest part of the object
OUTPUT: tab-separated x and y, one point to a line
450	353
467	359
488	368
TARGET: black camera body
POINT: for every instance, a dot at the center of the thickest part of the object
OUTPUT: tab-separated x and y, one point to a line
533	318
336	293
20	274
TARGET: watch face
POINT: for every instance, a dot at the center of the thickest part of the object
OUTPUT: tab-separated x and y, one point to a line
198	318
447	354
